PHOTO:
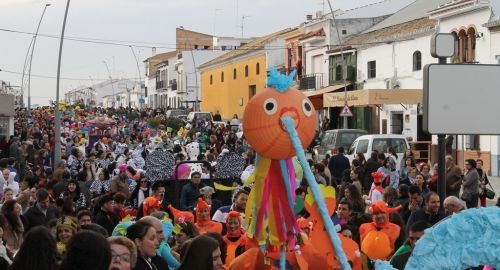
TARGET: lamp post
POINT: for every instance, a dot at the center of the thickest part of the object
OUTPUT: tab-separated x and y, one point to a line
196	102
344	64
57	119
31	58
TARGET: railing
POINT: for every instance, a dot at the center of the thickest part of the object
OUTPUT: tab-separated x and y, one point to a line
311	81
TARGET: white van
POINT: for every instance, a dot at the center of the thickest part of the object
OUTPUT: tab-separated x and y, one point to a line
381	142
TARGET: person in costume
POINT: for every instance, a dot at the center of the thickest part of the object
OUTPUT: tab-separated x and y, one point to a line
235	237
377	191
203	221
378	237
65	229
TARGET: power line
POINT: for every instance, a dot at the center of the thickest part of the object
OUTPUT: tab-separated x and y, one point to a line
68	79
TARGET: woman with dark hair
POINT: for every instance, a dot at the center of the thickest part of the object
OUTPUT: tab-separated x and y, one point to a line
353	196
141	191
421	184
188	231
73	198
13	225
483	181
143	234
202	253
470	184
38	251
87	250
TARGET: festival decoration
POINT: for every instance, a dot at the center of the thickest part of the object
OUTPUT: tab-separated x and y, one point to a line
277	123
159	165
102	122
229	165
467	239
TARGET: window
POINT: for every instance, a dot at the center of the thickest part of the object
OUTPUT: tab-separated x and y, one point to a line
252	90
257	68
222	76
498	59
211	79
223	47
417	60
206	47
196	47
372	69
362	146
338	73
234	74
246	71
344	32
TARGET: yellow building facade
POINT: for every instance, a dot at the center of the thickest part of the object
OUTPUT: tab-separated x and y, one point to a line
228	86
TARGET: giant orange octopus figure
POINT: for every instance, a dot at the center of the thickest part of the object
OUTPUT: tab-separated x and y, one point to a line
277	123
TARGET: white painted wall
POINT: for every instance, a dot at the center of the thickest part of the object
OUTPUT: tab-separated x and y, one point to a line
396	59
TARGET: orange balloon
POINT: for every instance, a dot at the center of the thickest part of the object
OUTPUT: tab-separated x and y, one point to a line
262	122
376	245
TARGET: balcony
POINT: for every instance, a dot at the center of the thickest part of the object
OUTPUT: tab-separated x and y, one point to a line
311	81
160	85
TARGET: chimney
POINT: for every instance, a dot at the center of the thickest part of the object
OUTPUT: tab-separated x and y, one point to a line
319	14
153	51
309	17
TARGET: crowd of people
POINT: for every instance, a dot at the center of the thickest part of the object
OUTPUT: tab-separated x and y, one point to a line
97	208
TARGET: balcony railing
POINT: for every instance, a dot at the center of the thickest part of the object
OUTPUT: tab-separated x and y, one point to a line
311	81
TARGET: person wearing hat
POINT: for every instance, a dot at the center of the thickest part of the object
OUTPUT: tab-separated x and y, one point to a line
235	238
150	205
379	237
105	215
203	221
65	229
376	191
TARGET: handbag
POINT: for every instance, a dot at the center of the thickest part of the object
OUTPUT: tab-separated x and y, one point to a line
488	193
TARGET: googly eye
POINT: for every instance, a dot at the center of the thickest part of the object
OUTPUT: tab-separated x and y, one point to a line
270	106
307	107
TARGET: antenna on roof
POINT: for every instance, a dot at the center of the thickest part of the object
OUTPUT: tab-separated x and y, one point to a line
243	23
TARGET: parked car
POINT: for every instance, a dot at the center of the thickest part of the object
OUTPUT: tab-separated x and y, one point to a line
329	141
205	116
381	142
175	113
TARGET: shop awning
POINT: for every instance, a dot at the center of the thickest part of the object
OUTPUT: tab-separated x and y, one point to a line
368	97
322	91
316	96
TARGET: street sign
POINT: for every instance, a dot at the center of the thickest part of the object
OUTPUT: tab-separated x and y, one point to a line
456	95
346	111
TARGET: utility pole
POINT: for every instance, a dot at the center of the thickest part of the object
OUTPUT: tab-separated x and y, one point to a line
243	23
111	82
344	65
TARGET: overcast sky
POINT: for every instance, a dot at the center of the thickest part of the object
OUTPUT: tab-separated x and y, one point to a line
151	22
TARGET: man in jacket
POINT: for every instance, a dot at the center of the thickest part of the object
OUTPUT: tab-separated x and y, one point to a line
40	213
453	178
337	165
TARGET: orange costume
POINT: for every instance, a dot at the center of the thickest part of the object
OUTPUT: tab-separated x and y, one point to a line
377	240
235	241
204	223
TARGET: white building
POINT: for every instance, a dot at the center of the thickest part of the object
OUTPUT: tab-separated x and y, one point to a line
475	25
321	34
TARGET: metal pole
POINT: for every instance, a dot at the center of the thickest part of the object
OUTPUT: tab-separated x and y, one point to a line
140	79
441	185
31	59
57	119
24	72
344	67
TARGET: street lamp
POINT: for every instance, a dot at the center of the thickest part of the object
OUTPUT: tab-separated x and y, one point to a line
31	59
196	108
57	119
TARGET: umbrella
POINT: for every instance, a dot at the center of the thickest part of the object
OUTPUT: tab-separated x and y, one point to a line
229	165
159	165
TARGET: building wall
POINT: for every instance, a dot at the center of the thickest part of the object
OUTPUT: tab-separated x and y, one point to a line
394	63
231	96
487	50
